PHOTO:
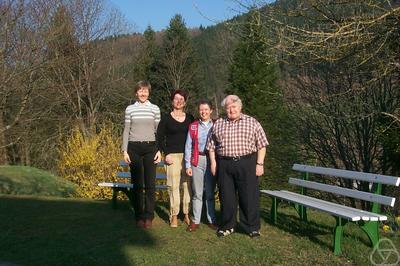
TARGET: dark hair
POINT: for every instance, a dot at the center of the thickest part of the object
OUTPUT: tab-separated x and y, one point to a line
180	92
205	101
142	84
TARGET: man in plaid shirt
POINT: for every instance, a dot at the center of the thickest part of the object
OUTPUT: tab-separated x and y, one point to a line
236	147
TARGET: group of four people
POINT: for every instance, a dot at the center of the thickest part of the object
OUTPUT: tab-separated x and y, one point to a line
197	153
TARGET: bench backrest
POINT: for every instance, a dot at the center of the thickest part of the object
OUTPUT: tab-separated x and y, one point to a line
127	174
378	179
368	177
385	200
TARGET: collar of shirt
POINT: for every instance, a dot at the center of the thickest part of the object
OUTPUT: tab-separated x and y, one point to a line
147	102
206	124
241	117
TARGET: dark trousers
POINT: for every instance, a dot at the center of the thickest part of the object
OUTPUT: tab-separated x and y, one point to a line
143	172
239	178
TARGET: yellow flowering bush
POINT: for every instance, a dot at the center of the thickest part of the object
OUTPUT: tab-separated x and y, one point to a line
392	224
386	228
87	161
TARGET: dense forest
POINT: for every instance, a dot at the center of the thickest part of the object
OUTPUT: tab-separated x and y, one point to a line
321	76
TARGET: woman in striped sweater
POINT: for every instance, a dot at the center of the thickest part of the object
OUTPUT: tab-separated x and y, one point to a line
140	151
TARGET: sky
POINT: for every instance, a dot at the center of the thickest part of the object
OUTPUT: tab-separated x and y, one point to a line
158	13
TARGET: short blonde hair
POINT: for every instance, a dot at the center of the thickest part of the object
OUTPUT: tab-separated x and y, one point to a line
142	84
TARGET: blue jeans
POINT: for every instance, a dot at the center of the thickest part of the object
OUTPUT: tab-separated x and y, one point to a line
202	180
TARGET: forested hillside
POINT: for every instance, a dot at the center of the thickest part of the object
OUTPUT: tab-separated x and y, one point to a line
323	79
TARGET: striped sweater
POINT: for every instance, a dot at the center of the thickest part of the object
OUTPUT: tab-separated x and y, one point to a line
141	121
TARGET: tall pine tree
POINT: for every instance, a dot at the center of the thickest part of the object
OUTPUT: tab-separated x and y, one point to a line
254	78
176	62
144	68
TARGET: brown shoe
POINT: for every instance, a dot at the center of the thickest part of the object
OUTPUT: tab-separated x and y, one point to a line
187	219
140	224
174	221
148	223
192	227
213	226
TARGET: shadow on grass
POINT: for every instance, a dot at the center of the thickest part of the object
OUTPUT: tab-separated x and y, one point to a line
310	229
292	224
162	211
54	231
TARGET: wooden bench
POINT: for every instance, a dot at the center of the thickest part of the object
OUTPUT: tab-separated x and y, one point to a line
126	188
367	220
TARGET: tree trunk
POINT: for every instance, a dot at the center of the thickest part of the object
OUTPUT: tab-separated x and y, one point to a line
3	143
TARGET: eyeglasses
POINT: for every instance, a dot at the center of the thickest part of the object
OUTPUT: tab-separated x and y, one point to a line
179	99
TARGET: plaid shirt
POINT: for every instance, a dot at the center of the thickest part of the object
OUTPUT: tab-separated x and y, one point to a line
237	138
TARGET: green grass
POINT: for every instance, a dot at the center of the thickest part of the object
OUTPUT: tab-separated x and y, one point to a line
25	180
59	231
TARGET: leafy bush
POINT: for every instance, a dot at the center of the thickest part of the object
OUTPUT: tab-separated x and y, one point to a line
86	161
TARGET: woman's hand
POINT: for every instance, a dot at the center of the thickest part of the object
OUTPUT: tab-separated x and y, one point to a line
168	159
127	159
157	157
189	171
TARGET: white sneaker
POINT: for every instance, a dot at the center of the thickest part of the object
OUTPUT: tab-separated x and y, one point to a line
223	233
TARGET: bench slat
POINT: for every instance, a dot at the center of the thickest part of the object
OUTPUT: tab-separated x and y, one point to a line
125	185
312	204
373	216
329	207
128	175
373	178
344	191
110	184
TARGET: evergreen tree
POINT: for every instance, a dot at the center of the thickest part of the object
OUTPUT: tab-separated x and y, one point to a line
144	68
176	62
254	78
214	48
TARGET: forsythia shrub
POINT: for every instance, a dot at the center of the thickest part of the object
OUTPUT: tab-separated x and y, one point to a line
88	161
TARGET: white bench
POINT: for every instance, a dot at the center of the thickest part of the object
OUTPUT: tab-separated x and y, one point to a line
125	187
367	220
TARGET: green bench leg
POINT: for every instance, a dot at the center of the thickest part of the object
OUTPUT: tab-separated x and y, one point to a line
127	192
337	249
304	213
371	229
274	208
301	211
114	198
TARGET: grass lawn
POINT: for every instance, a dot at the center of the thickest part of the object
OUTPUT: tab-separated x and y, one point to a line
58	231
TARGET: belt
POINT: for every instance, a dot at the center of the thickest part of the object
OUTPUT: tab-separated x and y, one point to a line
236	158
202	153
143	142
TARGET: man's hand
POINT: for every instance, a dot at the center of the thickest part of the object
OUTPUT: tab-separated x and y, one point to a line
189	171
157	157
127	159
259	170
168	159
260	162
213	167
213	162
